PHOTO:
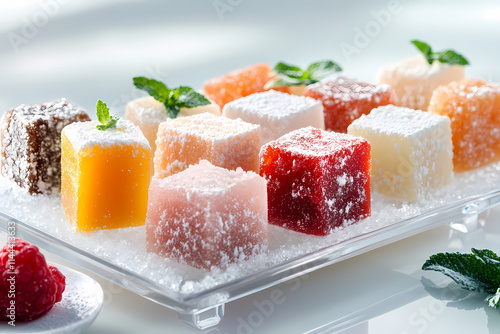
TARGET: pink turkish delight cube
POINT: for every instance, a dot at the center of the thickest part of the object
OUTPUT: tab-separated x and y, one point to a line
207	216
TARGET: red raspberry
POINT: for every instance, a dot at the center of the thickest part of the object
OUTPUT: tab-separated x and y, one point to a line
36	285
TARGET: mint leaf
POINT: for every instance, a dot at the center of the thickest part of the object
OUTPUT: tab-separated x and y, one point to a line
291	75
156	89
173	99
494	299
474	272
288	70
102	112
446	57
321	69
424	48
452	58
107	121
189	98
479	271
281	82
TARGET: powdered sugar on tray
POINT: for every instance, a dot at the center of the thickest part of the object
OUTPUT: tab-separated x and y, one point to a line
126	248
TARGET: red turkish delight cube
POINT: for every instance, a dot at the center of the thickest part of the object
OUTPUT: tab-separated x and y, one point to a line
316	180
345	100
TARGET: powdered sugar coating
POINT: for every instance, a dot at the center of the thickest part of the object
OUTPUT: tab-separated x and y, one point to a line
411	151
207	216
399	121
414	79
86	134
31	143
345	100
316	180
277	113
299	142
473	106
224	142
346	89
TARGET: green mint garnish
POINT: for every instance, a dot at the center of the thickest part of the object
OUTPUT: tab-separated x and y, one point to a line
446	57
479	271
289	75
173	99
107	121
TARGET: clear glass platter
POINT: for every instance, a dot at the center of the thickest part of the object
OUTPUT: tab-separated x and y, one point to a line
199	296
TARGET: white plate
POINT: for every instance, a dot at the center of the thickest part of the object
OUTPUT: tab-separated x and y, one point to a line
81	303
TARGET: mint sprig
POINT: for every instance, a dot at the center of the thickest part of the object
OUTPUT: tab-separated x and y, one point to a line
107	121
446	57
479	271
290	75
172	98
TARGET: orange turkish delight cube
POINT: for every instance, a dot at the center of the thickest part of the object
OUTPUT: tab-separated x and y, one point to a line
105	176
473	106
239	83
224	142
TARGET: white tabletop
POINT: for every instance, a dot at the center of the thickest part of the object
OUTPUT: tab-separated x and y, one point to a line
89	50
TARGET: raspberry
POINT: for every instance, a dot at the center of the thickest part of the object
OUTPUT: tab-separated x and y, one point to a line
36	285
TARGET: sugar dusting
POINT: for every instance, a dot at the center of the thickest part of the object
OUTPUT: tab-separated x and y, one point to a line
299	141
30	140
277	113
399	121
126	248
86	134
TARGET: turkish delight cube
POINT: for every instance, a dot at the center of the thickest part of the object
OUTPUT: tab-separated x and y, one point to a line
411	151
236	84
276	113
105	176
207	216
474	109
316	180
414	80
224	142
147	113
30	138
345	100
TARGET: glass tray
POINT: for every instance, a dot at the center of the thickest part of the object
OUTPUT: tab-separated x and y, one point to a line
199	296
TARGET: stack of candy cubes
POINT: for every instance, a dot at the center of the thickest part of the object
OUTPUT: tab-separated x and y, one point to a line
221	173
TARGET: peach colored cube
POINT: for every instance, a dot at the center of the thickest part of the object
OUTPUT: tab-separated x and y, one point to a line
414	80
207	216
147	114
224	142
